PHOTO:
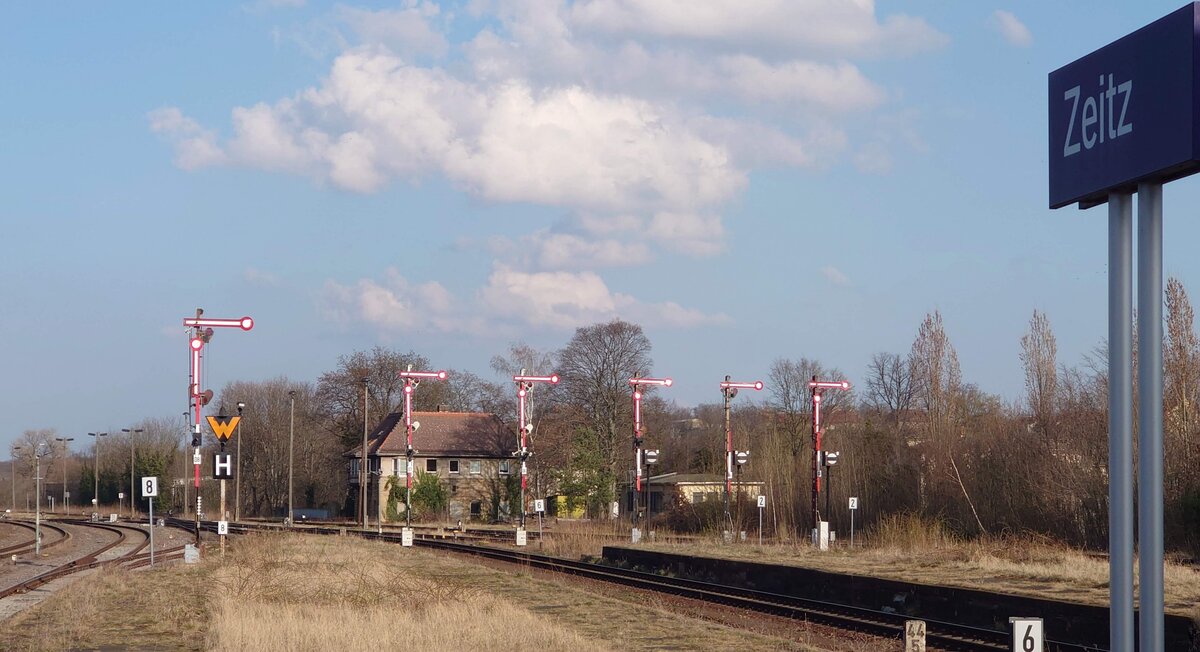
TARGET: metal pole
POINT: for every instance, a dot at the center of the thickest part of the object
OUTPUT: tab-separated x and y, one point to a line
237	480
12	466
1150	417
1120	425
828	492
816	466
37	518
362	474
852	528
291	450
132	484
408	452
151	501
223	515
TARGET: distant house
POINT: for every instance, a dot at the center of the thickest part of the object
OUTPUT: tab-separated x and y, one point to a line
691	488
466	450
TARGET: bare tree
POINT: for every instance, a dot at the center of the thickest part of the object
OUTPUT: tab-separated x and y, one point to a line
936	378
596	366
1181	364
1039	352
788	384
889	387
339	393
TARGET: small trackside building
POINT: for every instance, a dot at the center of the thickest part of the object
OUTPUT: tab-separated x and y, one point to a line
471	453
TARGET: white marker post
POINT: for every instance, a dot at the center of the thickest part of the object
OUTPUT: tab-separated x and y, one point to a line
762	502
149	492
914	636
1027	635
539	506
853	508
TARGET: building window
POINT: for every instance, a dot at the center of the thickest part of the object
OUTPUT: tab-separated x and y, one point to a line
396	466
454	466
504	468
431	466
476	467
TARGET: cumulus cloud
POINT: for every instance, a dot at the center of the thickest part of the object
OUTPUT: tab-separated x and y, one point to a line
195	146
393	304
407	31
565	300
1011	28
511	299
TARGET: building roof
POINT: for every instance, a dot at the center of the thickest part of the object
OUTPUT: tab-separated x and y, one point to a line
442	434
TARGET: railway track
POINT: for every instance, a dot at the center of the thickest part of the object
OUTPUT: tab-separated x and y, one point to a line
29	546
132	559
941	635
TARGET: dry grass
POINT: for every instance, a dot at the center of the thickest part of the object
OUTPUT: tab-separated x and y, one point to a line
163	609
908	548
575	539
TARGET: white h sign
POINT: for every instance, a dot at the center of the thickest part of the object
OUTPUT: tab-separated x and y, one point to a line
223	466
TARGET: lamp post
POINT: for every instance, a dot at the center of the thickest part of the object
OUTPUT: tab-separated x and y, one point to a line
291	447
38	451
12	455
132	483
66	504
96	469
362	462
237	480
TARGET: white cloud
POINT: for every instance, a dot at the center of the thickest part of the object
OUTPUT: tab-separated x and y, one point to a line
835	276
258	277
406	31
195	147
1011	28
829	27
395	304
565	300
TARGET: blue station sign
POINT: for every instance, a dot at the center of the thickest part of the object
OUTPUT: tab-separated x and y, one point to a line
1127	112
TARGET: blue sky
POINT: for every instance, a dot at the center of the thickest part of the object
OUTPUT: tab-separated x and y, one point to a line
747	180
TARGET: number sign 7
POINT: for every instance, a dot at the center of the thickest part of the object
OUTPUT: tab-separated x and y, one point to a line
150	487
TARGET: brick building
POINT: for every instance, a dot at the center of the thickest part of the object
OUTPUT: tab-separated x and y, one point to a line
470	452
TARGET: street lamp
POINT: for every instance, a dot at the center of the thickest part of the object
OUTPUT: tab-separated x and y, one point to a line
66	505
96	468
38	452
237	481
132	484
12	454
291	446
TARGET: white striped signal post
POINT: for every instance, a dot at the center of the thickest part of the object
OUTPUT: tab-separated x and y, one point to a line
525	385
200	335
149	492
639	389
729	389
411	380
817	389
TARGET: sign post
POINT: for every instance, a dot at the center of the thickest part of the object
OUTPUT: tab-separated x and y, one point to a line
539	506
853	508
149	492
223	427
914	636
762	502
1123	118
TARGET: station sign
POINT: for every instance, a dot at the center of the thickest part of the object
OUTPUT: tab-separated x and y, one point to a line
1126	113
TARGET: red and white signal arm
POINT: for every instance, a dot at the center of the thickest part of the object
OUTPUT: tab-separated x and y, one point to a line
149	487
